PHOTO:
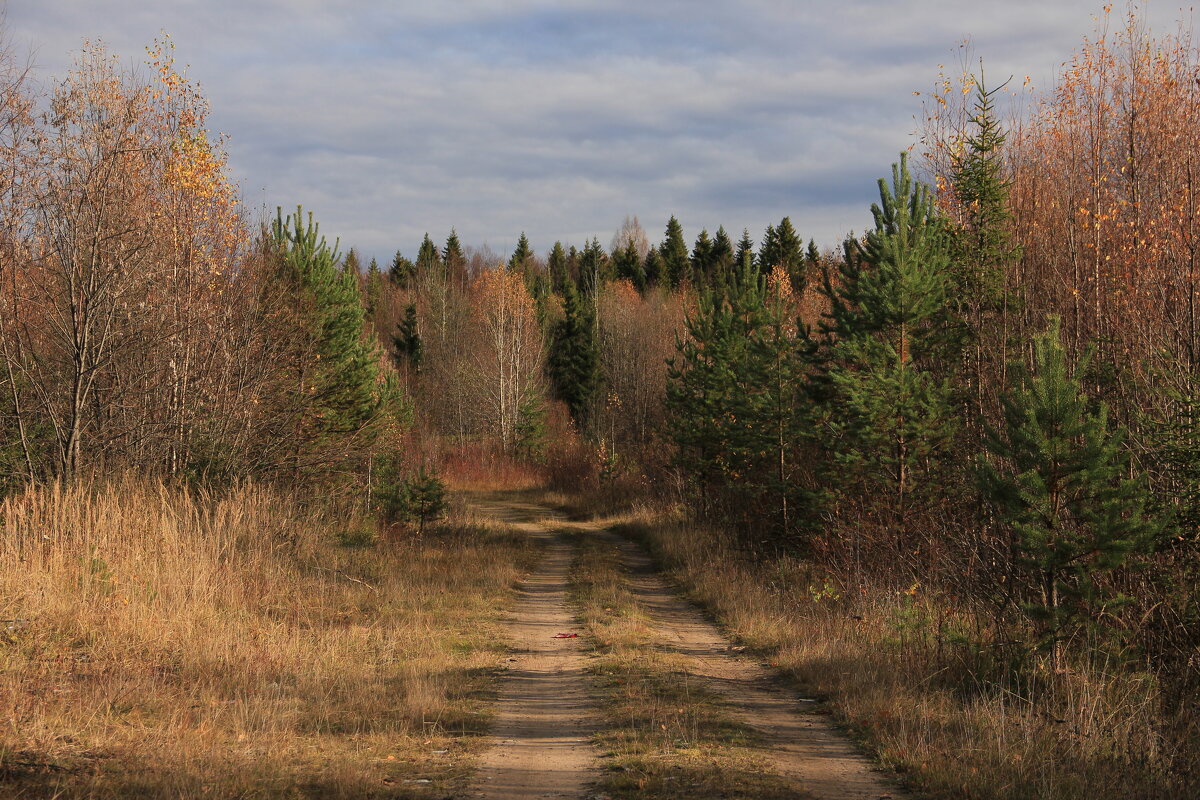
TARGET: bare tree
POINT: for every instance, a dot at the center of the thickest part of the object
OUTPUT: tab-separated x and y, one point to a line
631	231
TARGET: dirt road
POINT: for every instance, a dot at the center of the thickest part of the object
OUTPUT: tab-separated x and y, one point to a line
802	746
541	733
545	718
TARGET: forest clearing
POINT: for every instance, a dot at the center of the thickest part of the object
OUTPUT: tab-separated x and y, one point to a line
910	513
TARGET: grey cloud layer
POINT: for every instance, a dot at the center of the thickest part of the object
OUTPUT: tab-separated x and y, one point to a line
558	118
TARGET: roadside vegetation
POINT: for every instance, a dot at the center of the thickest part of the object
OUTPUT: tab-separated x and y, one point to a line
898	670
167	643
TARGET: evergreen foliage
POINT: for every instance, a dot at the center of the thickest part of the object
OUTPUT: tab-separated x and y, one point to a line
373	288
701	259
407	340
454	261
342	384
351	264
419	498
518	261
575	359
673	255
744	257
722	259
627	265
1059	479
652	267
734	402
984	245
429	261
594	268
557	266
890	415
402	271
782	247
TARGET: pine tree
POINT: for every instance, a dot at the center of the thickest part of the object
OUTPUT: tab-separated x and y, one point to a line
1059	479
673	255
341	385
575	358
890	415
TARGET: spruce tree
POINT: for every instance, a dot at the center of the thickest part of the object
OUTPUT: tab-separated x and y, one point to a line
673	254
628	265
701	259
745	250
575	359
594	268
984	248
556	265
454	261
737	415
518	261
984	244
1059	480
373	288
407	340
652	268
722	260
351	264
429	261
783	248
707	384
402	271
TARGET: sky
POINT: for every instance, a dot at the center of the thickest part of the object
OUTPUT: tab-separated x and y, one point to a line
390	118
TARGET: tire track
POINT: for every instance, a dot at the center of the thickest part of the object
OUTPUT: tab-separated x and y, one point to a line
542	731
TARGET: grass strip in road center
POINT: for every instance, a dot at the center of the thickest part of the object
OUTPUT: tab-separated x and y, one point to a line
666	737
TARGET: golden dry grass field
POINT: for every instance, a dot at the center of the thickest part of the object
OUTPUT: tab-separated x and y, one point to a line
158	643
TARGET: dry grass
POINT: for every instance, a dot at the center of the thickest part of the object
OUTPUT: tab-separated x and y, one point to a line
666	736
161	644
481	467
922	709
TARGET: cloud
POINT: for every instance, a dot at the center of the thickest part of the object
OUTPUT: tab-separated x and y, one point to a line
559	118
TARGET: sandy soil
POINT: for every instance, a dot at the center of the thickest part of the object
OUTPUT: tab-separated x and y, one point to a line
545	712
